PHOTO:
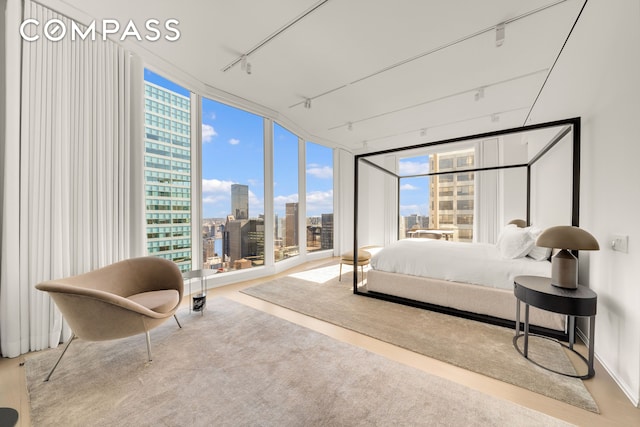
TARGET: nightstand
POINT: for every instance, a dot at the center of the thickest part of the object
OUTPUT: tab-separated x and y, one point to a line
539	292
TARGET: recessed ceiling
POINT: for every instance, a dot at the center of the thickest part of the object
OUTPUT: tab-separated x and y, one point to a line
378	74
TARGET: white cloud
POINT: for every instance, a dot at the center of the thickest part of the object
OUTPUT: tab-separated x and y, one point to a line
408	187
408	167
208	132
218	193
280	202
216	186
234	141
256	205
319	202
318	171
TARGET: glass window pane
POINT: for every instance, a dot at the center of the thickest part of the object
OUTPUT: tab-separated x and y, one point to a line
168	169
319	197
285	193
440	201
232	187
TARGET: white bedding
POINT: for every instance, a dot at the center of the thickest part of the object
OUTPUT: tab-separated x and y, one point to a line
475	263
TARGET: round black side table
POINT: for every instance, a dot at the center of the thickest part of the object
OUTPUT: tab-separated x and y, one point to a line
539	292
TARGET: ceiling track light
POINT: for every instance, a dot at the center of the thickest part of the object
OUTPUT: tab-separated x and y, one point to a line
423	132
495	118
350	126
500	34
245	65
479	94
307	103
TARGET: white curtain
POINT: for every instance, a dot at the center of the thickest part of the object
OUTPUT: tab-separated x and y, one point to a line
72	187
488	196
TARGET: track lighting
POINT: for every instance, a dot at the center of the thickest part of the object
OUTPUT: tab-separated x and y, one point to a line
495	118
350	126
423	132
307	103
479	94
245	65
499	34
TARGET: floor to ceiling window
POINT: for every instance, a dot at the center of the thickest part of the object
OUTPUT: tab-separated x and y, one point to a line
167	172
233	184
286	231
319	197
232	188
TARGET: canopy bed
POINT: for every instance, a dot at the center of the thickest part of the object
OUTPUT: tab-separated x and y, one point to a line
531	172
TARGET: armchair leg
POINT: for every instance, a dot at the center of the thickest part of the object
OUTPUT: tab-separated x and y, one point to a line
149	346
73	337
177	321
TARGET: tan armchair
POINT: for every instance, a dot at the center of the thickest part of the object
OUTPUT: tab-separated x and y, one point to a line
120	300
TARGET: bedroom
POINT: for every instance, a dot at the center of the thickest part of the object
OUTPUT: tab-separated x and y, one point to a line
594	79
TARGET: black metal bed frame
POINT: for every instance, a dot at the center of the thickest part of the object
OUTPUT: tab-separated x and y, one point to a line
572	124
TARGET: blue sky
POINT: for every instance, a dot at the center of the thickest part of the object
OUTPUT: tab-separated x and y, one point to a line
233	153
414	192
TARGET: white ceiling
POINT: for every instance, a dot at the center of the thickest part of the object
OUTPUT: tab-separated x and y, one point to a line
402	72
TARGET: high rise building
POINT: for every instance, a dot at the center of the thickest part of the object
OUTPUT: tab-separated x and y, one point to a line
291	224
452	195
243	239
167	174
240	201
326	235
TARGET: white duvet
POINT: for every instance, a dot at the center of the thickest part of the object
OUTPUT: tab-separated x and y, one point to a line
474	263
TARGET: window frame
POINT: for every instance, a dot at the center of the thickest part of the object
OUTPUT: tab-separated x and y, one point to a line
199	91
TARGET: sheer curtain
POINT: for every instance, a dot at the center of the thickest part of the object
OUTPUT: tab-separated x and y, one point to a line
487	212
72	186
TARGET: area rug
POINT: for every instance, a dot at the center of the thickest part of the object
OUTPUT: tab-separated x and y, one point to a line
478	347
237	366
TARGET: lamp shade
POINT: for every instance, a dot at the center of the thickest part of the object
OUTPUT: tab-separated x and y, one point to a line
567	237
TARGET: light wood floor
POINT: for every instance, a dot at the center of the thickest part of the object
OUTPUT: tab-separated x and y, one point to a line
615	408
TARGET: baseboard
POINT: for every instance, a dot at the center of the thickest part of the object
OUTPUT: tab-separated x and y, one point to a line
632	396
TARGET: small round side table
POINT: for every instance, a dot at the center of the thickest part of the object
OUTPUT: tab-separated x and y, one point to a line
539	292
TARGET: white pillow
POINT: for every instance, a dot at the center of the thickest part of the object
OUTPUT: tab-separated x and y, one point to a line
538	253
515	242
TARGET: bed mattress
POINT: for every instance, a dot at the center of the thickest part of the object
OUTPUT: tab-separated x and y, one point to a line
447	274
474	263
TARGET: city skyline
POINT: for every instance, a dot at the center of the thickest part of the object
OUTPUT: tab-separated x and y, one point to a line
231	133
232	182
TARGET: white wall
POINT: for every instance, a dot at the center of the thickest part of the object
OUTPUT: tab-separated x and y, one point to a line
371	206
343	201
551	183
513	181
597	77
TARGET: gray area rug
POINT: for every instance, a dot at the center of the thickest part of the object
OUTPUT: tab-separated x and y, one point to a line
236	366
475	346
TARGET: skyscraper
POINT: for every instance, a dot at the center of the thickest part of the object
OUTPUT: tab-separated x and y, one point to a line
452	195
291	233
326	236
240	201
167	174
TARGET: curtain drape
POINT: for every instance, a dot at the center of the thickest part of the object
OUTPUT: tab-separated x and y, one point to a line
488	195
72	186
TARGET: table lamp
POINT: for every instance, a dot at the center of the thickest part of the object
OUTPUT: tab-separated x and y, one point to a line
564	265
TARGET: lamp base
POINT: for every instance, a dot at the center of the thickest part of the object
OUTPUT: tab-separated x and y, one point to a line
564	270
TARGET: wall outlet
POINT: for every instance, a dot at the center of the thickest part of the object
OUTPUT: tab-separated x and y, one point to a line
620	243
